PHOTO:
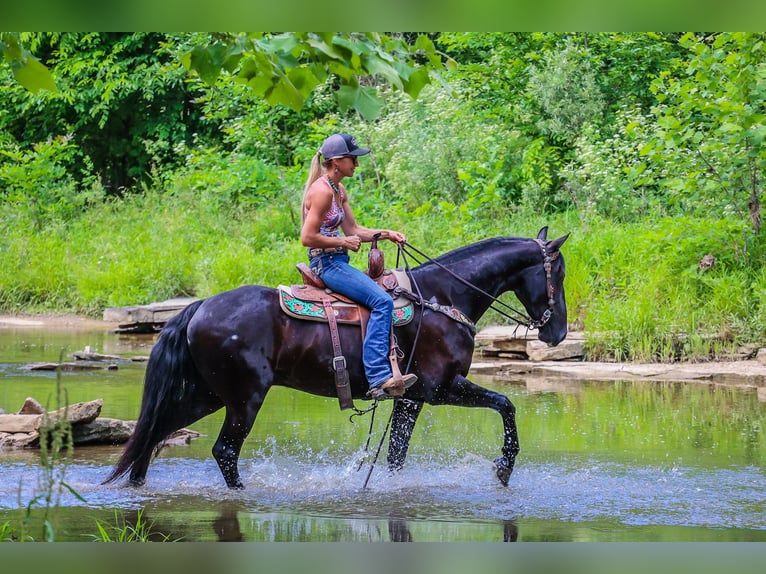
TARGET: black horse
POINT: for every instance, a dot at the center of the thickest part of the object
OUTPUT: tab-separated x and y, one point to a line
230	349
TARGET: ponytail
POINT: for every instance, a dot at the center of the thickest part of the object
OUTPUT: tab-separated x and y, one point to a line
314	173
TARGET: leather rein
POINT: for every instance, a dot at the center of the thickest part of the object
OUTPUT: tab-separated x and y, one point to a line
521	319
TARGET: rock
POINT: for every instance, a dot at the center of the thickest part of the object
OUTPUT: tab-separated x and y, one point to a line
103	431
19	423
88	355
90	366
23	430
761	355
19	439
181	437
78	413
539	351
31	407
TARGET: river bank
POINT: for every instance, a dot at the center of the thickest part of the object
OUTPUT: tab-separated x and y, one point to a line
749	372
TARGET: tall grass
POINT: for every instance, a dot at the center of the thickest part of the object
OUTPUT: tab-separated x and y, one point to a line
636	289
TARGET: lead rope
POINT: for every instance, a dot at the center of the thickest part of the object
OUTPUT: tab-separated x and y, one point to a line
403	255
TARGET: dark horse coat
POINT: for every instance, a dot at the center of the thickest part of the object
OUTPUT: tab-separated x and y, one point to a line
227	351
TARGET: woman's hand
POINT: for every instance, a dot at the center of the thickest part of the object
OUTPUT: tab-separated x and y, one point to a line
396	237
352	242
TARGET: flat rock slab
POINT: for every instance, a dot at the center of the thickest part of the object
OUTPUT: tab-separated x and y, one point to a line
539	351
19	423
146	317
520	342
743	373
77	413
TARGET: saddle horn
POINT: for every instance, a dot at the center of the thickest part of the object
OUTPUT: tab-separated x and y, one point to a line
375	263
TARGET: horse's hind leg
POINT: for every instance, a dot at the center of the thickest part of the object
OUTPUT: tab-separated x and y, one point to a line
200	404
236	427
403	418
462	392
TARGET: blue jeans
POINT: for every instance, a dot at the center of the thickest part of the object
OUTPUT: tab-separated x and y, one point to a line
336	272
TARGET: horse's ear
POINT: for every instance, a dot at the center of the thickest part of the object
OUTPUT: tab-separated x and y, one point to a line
542	235
556	244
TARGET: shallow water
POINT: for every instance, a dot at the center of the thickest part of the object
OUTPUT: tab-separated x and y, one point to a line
600	461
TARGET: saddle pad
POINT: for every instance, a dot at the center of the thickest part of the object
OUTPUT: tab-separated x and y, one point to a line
344	312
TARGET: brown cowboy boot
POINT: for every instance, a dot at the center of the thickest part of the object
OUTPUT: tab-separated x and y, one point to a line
393	387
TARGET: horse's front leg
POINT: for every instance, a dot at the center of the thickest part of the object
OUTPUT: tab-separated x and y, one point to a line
462	392
403	418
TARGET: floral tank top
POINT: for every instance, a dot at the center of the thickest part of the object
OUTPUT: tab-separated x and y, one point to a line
334	217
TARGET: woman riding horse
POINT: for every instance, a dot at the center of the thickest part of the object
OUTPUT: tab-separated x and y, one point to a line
227	351
326	211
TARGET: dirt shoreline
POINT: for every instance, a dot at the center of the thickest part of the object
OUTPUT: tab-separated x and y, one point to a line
53	321
748	373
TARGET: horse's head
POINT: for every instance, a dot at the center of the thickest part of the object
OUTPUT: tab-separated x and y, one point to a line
542	290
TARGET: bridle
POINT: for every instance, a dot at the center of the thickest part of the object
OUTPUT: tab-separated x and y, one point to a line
521	319
548	259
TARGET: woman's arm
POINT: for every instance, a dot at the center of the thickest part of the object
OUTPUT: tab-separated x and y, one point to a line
318	203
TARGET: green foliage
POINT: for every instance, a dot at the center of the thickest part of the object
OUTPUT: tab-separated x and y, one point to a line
565	88
38	183
285	68
137	529
27	70
610	175
647	146
438	149
711	124
649	299
8	532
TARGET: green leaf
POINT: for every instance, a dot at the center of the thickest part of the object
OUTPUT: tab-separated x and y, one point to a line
374	65
34	76
416	82
323	47
304	80
284	92
363	100
202	61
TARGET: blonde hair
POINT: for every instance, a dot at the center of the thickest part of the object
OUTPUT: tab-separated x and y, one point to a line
315	172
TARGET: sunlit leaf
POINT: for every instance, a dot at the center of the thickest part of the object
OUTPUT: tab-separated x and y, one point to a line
202	61
416	82
363	100
285	93
34	76
375	65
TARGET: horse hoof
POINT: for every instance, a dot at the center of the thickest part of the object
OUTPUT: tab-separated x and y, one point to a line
136	482
503	469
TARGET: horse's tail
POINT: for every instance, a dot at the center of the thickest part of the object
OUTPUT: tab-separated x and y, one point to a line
170	379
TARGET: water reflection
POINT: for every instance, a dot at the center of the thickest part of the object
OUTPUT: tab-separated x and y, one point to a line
227	527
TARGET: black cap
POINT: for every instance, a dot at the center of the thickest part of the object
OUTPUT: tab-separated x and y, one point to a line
338	145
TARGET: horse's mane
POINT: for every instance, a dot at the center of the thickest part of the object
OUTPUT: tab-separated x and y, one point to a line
468	251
